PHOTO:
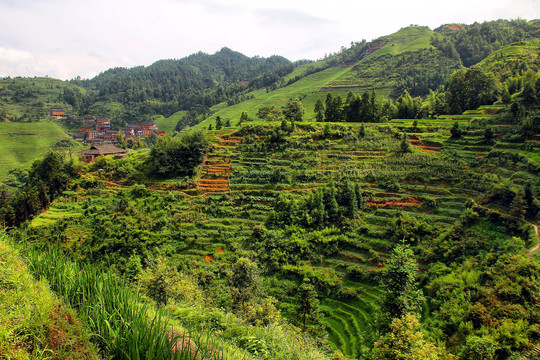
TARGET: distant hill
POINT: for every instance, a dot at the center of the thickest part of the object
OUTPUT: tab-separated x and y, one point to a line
415	59
196	82
513	59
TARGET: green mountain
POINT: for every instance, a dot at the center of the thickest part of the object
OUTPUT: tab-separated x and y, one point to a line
195	83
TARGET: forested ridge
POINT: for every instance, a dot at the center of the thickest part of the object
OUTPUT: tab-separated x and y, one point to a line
195	83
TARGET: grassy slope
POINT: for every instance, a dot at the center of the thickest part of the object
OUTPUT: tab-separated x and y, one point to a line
382	71
337	80
406	39
169	124
279	97
34	323
21	143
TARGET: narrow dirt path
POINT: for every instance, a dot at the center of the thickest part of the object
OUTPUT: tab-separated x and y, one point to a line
534	249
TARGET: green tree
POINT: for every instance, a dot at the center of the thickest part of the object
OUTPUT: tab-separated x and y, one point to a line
331	206
334	111
243	117
219	124
405	341
294	110
399	280
319	110
158	281
405	145
178	157
269	113
405	106
120	139
455	131
308	305
362	131
470	88
478	348
489	135
244	281
529	94
531	207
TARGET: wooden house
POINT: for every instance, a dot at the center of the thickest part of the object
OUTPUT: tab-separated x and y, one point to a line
57	113
93	134
100	150
110	136
128	131
88	121
149	125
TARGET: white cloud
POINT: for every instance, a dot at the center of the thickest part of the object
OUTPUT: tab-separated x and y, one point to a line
66	38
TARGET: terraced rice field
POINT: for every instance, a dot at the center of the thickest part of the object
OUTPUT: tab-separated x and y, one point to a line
240	180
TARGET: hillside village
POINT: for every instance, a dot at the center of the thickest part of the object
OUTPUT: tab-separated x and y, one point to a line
98	130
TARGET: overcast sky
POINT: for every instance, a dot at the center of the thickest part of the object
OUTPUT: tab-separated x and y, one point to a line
69	38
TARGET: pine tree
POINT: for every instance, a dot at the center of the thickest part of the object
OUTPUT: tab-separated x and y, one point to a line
405	145
362	131
319	110
331	206
308	305
359	197
455	131
400	282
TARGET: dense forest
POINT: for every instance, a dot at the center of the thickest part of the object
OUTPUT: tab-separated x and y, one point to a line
194	83
325	211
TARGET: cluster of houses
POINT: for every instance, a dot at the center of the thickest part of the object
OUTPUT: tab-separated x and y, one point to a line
97	131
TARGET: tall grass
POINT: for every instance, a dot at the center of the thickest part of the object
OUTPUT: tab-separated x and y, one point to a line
123	327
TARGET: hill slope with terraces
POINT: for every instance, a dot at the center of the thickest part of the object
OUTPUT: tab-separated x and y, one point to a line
282	242
253	188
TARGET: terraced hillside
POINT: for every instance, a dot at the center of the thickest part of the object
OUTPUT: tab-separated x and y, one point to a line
253	170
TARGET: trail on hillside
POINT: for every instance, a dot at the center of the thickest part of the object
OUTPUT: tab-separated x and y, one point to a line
534	249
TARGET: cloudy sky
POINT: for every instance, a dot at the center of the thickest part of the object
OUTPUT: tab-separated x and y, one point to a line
69	38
